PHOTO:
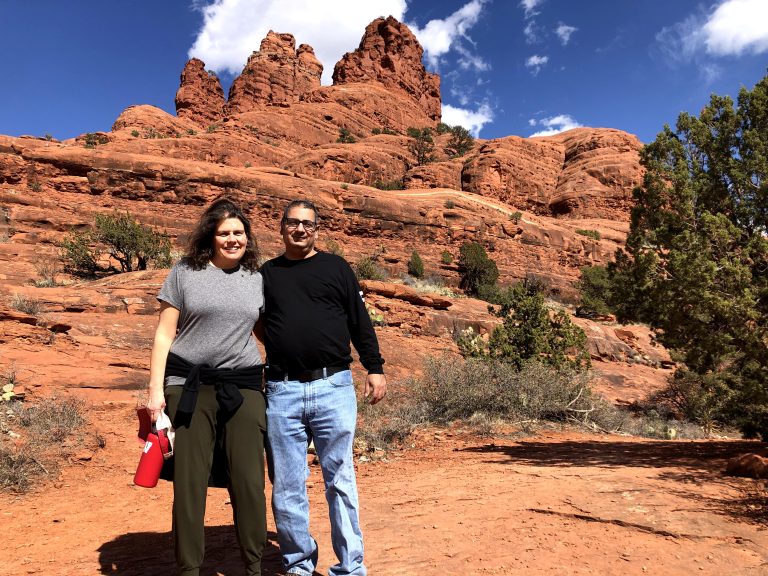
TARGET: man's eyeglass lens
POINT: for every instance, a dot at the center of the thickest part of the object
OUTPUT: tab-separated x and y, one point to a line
293	223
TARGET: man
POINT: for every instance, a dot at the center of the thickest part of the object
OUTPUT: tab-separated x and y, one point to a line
313	308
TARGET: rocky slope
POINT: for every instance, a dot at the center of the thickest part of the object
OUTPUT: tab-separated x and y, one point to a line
275	138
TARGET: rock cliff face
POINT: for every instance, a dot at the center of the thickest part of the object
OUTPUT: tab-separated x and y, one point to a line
277	75
390	54
585	172
200	97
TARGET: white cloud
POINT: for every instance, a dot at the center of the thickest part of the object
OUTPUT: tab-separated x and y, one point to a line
535	63
564	32
731	29
553	125
472	120
737	26
530	7
532	33
438	37
233	29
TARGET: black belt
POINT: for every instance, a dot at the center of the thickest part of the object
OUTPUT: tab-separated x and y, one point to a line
275	373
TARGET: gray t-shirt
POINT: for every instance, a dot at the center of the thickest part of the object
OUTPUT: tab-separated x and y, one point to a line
217	312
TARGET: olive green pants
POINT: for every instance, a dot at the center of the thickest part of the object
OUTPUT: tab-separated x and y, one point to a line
243	444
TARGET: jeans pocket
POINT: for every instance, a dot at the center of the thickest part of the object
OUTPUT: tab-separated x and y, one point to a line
274	387
341	379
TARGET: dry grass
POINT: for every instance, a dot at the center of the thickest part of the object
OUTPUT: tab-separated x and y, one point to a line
32	442
24	304
491	396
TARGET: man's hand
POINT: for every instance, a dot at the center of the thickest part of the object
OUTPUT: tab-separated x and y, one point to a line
375	387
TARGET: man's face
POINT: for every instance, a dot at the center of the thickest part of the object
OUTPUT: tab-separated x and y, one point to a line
298	240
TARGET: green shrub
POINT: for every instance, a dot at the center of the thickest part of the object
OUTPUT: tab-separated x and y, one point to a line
594	234
368	269
389	185
595	289
422	145
460	142
376	131
446	257
345	137
515	217
415	265
79	256
133	245
135	133
191	132
34	185
476	269
93	139
449	204
530	332
443	128
212	128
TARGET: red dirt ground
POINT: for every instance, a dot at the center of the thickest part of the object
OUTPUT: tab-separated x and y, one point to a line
561	502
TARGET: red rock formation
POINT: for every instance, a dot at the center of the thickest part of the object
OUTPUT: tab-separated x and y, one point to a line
277	74
518	171
601	168
390	54
200	97
584	173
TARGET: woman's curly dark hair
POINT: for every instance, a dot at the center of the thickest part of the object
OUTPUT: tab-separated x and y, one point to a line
200	246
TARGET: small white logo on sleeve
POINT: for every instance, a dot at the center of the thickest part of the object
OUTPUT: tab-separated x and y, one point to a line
361	296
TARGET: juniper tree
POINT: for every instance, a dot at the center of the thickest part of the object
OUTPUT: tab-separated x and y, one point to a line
696	260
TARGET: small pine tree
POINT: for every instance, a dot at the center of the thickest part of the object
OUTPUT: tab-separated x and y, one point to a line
460	142
477	270
133	245
415	265
422	146
345	136
530	332
596	291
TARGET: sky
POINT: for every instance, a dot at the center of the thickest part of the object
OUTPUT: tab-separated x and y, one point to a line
507	67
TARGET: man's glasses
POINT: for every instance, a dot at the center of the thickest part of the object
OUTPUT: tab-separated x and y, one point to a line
293	223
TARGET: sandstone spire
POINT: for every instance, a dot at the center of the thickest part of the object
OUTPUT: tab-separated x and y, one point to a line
200	97
277	74
389	53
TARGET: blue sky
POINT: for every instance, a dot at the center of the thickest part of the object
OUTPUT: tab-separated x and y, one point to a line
508	67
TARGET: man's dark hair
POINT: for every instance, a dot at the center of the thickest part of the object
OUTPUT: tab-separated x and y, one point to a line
200	245
308	204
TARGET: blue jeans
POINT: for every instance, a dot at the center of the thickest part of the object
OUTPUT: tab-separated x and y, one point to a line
325	411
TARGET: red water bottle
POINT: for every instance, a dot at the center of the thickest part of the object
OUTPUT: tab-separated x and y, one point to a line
150	464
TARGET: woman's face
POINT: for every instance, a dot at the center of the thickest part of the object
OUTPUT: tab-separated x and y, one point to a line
229	243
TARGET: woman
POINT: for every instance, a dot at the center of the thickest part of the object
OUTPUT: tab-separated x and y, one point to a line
206	371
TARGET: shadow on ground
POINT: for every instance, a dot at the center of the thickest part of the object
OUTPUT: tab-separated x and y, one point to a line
682	462
695	456
151	554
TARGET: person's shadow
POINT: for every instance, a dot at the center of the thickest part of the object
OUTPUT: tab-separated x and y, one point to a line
151	554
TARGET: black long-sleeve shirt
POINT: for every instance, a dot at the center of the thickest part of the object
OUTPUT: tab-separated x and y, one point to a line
313	308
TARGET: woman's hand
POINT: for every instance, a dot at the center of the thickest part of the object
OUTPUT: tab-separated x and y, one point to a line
156	402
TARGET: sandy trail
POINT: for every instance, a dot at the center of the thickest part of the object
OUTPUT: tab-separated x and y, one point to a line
562	502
